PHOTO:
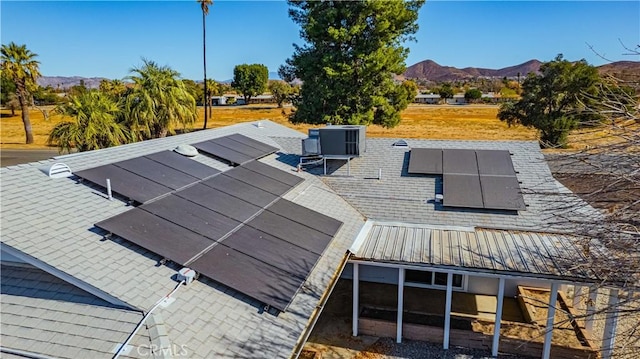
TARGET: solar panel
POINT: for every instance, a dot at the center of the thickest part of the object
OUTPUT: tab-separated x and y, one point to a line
300	214
157	172
501	192
258	180
241	190
222	152
248	275
218	201
462	191
273	251
124	182
270	171
290	231
187	214
239	147
183	164
253	143
156	234
459	162
425	161
495	162
236	148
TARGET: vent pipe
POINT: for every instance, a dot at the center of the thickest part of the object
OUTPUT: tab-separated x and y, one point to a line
109	190
379	174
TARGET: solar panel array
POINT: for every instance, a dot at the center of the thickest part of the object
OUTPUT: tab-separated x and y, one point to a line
148	177
235	148
471	178
235	229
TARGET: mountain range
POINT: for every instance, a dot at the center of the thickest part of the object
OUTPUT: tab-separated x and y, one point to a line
425	70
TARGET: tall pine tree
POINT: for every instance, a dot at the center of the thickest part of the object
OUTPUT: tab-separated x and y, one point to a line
353	49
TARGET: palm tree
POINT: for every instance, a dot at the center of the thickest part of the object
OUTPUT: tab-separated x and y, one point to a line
19	64
158	102
96	123
204	5
212	88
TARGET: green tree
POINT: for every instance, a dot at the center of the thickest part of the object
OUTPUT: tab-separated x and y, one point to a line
472	95
211	86
553	102
250	80
96	123
195	90
19	65
115	88
158	102
204	6
446	91
281	91
352	51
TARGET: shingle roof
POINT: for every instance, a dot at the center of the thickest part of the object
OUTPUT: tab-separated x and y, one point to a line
534	254
52	220
44	315
399	196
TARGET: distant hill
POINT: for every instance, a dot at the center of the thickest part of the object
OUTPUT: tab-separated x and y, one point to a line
63	82
432	71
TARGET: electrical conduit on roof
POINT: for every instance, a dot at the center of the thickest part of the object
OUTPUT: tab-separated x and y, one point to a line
123	347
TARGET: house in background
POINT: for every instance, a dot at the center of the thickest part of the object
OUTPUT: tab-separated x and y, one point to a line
430	99
87	264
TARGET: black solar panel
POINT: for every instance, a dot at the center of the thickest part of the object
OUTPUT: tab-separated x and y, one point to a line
300	214
156	234
501	192
241	190
218	201
222	152
261	181
157	172
495	162
236	149
459	162
290	231
187	214
462	191
253	143
425	161
271	250
239	147
269	171
248	275
124	183
183	164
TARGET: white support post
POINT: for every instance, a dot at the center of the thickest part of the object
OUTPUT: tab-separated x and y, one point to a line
591	308
551	314
610	325
447	311
356	294
577	296
496	328
400	305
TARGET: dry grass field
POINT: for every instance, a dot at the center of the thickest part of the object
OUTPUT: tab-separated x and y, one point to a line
418	121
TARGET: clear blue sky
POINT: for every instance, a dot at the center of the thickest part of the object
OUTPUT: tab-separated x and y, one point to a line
107	39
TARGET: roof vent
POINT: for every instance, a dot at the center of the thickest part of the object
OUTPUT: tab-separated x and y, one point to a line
400	143
186	150
59	170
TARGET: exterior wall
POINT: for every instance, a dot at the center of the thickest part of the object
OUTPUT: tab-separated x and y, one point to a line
482	285
511	285
372	274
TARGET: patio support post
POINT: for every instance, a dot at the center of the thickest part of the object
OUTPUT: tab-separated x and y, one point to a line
496	328
356	293
551	313
610	325
591	308
447	311
400	304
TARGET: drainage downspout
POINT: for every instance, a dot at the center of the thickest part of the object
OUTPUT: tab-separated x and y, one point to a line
318	310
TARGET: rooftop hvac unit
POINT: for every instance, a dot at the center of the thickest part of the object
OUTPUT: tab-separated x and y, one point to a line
343	140
311	145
